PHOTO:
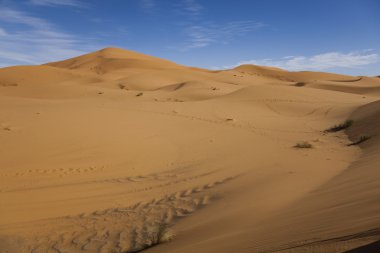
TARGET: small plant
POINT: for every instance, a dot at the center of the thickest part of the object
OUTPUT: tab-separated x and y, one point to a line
139	94
361	139
303	144
300	84
340	127
122	86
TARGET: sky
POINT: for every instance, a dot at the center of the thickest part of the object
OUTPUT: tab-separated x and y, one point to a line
341	36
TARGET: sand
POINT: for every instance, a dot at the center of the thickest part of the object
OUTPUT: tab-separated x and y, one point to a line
117	151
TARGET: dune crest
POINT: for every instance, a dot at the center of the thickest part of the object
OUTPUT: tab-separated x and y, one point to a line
111	59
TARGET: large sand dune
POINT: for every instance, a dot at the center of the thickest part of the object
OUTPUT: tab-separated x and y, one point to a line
102	152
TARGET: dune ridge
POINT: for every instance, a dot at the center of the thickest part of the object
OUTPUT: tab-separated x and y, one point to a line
103	151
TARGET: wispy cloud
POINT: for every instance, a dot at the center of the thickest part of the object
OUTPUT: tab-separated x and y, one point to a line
17	17
148	4
34	40
323	61
199	36
53	3
3	32
191	8
199	32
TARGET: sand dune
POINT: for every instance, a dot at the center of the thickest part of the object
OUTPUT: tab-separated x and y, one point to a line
108	151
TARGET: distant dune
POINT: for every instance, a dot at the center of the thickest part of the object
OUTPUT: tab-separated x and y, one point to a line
117	151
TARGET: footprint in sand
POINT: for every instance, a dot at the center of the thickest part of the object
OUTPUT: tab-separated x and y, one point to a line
122	229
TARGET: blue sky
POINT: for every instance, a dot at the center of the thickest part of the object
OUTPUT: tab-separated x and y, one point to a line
326	35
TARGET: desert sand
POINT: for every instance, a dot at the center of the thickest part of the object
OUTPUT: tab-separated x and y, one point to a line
116	151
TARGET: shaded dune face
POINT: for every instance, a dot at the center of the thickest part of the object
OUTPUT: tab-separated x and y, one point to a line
117	151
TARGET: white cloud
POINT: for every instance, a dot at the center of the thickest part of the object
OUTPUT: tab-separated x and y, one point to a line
319	62
51	3
34	40
203	35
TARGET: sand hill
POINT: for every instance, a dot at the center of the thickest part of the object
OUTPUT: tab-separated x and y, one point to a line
116	151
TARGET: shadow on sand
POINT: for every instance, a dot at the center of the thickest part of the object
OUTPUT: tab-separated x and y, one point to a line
369	248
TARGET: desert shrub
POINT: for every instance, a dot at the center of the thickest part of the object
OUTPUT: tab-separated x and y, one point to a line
303	144
361	139
340	127
121	86
300	84
139	94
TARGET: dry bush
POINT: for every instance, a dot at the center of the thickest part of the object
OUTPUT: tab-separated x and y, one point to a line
300	84
303	144
341	126
121	86
361	139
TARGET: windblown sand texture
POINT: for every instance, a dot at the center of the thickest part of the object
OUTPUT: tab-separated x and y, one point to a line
97	152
